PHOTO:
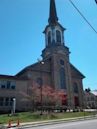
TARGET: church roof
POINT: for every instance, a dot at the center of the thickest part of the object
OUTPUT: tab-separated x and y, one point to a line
36	67
76	71
11	77
25	69
6	76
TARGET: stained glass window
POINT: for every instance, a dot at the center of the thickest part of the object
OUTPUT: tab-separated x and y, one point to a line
62	78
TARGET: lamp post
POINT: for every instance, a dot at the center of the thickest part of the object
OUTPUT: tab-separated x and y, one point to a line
14	105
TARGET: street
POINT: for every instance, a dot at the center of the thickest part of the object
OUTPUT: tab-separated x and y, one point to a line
87	124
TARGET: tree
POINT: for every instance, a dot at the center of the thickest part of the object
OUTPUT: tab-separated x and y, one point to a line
50	96
32	96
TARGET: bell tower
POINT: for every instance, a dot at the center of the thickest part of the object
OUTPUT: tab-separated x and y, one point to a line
58	53
54	31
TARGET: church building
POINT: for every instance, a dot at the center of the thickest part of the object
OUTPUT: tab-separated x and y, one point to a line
55	70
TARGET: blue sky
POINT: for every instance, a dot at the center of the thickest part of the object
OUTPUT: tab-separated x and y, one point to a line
21	39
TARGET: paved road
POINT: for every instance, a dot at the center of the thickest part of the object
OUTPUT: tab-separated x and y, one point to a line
87	124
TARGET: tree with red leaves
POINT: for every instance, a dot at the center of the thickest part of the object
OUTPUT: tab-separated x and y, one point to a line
50	97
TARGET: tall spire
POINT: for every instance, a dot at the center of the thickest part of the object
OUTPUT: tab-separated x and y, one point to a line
52	13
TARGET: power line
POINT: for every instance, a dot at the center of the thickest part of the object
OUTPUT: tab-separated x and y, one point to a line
96	1
83	16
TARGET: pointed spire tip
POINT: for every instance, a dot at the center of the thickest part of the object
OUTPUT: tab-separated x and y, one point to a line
52	13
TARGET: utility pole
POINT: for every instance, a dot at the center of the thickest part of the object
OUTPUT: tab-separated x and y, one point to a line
41	84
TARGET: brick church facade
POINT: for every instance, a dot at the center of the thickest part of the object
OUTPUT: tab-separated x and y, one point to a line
54	70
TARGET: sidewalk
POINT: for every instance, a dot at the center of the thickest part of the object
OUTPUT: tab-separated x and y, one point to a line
41	123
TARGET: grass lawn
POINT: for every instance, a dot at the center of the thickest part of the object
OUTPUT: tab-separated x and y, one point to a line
31	117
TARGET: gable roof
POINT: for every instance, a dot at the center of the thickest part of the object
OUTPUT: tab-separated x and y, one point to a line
36	67
25	69
76	71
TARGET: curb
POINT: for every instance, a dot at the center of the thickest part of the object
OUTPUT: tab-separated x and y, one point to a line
50	122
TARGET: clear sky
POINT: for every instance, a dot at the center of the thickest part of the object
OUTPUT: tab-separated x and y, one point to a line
21	39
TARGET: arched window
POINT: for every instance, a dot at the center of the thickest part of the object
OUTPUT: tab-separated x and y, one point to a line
75	87
62	78
49	37
58	36
62	62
